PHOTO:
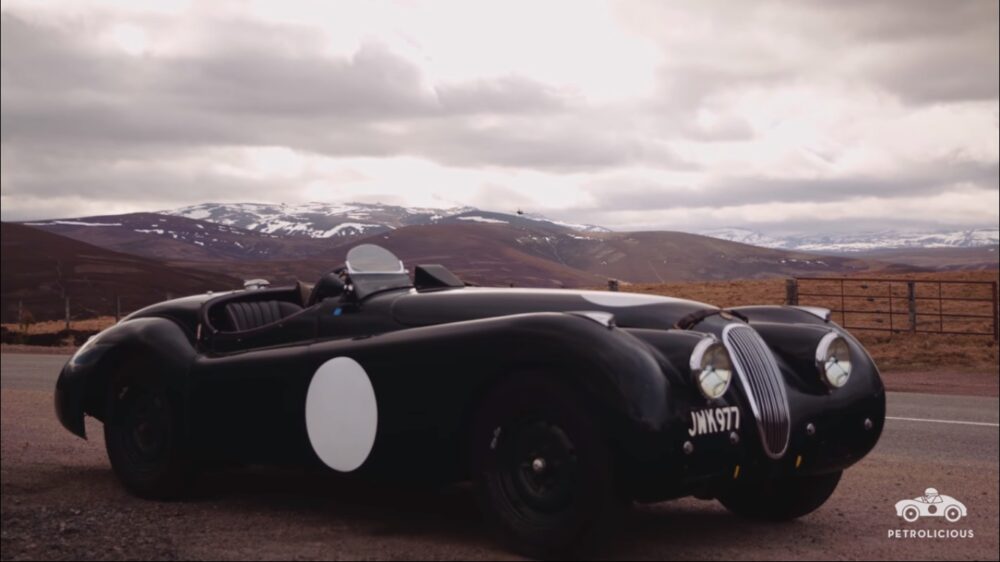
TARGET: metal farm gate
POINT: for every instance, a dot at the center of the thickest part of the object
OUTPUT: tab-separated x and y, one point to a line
902	305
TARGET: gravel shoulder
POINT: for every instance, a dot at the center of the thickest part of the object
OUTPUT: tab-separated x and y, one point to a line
950	382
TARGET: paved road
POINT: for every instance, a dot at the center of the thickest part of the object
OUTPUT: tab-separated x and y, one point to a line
30	372
60	499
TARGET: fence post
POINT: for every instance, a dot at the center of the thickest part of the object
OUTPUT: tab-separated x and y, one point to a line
792	291
613	285
911	299
20	313
996	313
67	315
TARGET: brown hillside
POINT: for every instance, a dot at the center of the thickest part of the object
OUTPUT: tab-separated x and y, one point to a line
167	237
39	268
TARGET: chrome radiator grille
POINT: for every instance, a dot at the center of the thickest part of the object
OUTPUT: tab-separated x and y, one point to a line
762	383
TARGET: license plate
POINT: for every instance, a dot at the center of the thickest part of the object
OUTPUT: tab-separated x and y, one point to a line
714	420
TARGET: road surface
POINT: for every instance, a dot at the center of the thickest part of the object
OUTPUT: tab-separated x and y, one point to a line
60	500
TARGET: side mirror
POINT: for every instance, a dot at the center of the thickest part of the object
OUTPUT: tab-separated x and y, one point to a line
328	286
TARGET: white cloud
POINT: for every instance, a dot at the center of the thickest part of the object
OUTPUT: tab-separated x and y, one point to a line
130	38
957	205
634	114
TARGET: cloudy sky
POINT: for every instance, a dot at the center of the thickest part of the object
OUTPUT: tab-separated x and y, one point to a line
780	116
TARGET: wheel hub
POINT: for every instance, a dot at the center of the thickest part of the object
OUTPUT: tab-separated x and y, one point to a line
145	416
540	466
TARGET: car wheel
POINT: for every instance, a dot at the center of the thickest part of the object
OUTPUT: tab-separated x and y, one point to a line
952	513
911	514
145	442
543	470
782	499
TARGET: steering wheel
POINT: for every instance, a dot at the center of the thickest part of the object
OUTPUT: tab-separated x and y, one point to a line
329	286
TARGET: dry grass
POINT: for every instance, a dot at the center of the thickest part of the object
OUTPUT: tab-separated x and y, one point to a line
928	352
720	293
56	326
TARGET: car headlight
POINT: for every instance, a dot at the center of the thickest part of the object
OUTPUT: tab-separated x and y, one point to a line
711	369
833	359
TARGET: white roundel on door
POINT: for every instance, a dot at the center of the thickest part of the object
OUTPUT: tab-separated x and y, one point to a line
341	414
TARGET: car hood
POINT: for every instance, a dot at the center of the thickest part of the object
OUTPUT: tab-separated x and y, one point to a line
631	310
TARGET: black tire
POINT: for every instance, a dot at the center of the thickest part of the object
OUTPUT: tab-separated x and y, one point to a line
780	500
569	503
145	441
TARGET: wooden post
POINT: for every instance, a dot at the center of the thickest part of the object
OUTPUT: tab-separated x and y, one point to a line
792	292
20	313
613	285
911	299
67	315
843	305
891	327
996	313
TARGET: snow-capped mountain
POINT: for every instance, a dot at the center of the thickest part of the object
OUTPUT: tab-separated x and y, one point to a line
745	236
863	241
313	220
569	225
344	221
175	237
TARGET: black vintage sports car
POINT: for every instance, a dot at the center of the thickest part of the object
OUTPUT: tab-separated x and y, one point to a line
563	406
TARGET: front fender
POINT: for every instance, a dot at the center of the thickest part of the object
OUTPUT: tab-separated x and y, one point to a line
158	344
71	386
846	422
793	333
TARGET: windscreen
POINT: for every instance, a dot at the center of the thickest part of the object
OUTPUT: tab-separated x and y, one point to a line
369	258
373	269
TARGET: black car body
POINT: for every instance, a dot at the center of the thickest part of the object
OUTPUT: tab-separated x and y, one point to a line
239	374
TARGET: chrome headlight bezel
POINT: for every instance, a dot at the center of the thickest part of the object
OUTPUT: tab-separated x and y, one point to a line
711	368
833	360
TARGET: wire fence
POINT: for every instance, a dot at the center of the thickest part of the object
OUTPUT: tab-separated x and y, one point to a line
928	306
69	319
14	310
